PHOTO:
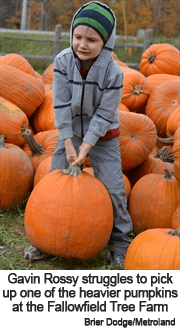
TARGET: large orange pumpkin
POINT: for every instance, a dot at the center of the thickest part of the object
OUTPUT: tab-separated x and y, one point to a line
12	121
176	153
16	175
137	138
160	59
173	122
154	249
163	100
69	214
20	88
153	200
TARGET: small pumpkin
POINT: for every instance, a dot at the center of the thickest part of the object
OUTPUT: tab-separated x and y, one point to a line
39	146
163	100
135	90
154	249
19	62
43	117
153	200
173	122
157	79
137	138
69	214
176	154
12	121
47	76
160	59
175	221
16	179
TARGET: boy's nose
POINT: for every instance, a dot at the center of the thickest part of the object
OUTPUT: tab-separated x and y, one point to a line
83	43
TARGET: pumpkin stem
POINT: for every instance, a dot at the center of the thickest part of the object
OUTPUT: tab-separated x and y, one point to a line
151	58
166	140
174	232
35	148
2	141
73	170
167	174
164	156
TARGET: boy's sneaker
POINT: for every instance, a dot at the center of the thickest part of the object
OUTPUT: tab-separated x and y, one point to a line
115	259
32	253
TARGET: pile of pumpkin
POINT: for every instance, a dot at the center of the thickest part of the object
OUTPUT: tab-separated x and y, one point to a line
150	150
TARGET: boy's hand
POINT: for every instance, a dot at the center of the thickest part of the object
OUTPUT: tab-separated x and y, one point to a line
71	154
83	151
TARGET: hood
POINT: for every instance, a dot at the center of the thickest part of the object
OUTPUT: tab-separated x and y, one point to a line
109	45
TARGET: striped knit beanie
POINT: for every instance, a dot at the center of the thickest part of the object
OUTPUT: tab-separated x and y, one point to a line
97	18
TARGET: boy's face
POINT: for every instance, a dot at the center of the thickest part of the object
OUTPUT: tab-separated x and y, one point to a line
86	43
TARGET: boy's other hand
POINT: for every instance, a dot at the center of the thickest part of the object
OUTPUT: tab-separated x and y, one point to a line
83	151
71	154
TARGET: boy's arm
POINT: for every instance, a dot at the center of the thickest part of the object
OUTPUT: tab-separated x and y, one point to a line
107	110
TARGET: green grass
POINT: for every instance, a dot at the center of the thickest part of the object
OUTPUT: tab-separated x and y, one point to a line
14	240
47	48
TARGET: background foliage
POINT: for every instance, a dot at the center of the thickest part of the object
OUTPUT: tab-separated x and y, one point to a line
161	15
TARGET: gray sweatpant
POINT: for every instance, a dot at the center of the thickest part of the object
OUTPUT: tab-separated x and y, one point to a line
106	162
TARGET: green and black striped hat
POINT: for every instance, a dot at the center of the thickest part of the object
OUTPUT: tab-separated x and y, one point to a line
98	18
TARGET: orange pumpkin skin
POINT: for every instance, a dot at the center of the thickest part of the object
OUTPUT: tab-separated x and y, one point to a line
175	221
154	249
176	153
16	177
19	62
157	79
12	120
173	122
43	117
47	76
163	100
22	89
42	170
40	146
160	59
135	90
153	200
69	216
137	138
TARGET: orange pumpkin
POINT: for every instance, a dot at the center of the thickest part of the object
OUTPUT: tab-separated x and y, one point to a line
22	89
19	62
39	146
175	221
173	122
156	79
16	177
42	170
47	76
163	100
176	153
12	121
153	200
137	138
160	59
43	117
69	214
154	249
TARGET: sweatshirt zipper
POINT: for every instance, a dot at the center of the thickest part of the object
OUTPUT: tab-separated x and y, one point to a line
82	100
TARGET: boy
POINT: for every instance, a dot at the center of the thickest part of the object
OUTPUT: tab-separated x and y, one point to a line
87	90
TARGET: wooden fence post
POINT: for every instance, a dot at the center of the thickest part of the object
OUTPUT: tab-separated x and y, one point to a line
57	46
148	38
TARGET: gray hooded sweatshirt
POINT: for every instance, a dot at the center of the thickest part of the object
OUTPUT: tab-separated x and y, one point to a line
87	108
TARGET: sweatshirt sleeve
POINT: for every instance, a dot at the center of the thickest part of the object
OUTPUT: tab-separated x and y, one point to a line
62	100
106	112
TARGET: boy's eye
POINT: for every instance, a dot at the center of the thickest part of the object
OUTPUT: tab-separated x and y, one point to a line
91	40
